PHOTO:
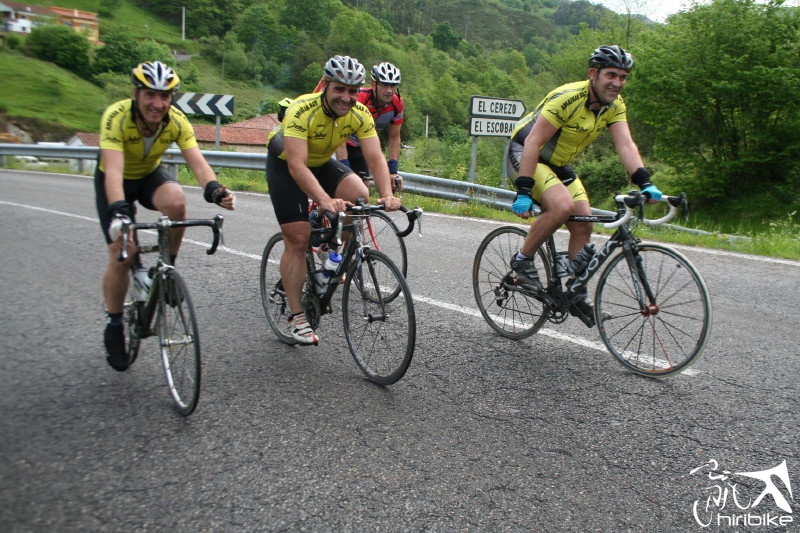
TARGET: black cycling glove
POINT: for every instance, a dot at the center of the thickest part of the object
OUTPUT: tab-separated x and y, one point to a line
119	208
215	192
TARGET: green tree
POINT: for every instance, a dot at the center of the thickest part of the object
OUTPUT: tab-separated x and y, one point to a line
719	84
150	50
355	33
444	38
60	45
120	54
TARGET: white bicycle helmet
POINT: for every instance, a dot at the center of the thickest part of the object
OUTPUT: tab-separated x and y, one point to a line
155	75
386	73
344	69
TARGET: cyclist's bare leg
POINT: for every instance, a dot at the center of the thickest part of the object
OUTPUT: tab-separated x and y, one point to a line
579	232
171	201
293	262
351	188
557	206
117	276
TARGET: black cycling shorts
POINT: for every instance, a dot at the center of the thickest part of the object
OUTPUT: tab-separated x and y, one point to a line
357	161
141	190
288	199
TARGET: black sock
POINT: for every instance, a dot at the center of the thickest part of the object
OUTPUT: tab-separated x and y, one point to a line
114	319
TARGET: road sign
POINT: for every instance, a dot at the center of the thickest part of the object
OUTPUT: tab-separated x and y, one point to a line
486	106
205	104
491	127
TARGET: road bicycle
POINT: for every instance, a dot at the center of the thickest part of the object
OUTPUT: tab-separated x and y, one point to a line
167	310
380	231
651	306
377	308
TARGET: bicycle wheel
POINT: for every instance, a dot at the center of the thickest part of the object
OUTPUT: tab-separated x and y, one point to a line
273	297
180	342
133	333
380	232
671	333
508	310
380	333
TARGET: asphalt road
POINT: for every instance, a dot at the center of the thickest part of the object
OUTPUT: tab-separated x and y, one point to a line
483	433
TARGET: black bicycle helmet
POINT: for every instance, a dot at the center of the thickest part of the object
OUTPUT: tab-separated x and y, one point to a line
155	75
611	56
344	69
386	73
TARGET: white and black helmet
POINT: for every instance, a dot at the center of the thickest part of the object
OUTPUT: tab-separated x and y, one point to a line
344	69
155	75
386	73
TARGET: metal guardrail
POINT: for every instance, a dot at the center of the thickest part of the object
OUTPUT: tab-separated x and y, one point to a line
420	184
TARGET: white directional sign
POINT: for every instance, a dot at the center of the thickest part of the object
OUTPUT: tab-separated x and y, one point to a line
491	127
486	106
205	104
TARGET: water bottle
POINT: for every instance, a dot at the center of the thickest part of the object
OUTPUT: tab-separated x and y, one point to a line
577	266
562	265
141	284
328	274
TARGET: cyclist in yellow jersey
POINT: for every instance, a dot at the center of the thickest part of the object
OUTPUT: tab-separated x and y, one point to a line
133	136
299	167
543	144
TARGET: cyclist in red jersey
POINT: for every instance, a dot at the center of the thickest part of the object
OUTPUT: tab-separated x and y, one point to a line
386	105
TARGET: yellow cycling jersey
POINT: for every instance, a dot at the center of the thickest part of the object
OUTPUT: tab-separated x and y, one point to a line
567	109
118	131
306	119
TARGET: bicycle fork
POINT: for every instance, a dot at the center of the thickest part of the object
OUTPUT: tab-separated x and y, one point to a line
641	285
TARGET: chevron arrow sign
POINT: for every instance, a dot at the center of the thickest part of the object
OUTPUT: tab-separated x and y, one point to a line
205	104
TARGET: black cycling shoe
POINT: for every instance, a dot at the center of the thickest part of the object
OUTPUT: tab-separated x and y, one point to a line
527	274
117	357
584	310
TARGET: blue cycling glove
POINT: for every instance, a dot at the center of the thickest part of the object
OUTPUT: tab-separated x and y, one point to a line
523	202
642	178
653	192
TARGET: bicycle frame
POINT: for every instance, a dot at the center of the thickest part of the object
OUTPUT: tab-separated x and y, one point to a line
162	227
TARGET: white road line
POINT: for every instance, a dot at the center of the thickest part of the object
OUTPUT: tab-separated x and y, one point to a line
580	341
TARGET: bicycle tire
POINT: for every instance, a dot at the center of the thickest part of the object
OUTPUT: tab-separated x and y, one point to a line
133	333
672	334
273	297
381	333
511	313
179	340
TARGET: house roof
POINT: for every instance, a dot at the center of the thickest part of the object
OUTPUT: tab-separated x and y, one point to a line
88	139
74	13
252	132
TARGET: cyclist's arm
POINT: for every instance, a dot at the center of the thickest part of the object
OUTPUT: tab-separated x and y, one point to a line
540	133
113	166
297	160
341	152
626	148
393	145
204	173
371	148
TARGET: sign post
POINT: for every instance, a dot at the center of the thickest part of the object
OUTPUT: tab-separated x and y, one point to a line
492	117
217	105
